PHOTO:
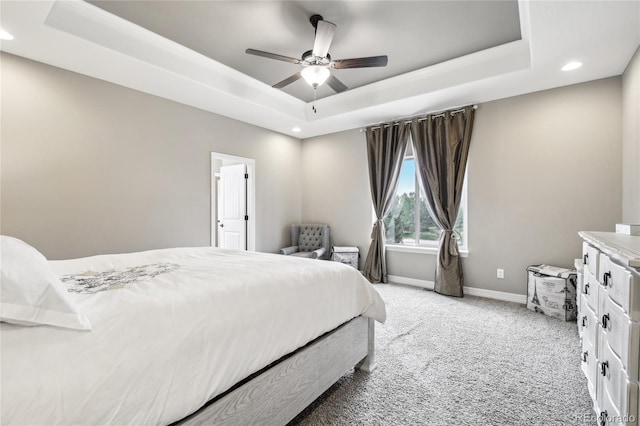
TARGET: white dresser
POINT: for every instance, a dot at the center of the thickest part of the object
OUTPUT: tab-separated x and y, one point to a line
609	324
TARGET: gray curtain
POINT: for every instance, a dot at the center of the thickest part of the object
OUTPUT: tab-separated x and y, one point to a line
386	146
441	143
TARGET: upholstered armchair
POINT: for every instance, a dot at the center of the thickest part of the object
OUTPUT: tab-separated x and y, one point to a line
310	241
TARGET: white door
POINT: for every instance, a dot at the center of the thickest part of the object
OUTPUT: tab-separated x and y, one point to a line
232	223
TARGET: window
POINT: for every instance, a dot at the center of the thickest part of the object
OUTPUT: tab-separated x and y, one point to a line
409	221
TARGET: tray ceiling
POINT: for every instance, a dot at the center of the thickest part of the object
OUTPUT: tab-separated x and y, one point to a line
414	34
199	58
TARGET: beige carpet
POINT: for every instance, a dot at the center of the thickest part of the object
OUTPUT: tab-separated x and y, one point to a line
469	361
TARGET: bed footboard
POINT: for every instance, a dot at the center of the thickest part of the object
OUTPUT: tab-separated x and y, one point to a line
278	394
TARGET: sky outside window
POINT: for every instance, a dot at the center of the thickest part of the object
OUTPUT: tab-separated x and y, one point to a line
407	180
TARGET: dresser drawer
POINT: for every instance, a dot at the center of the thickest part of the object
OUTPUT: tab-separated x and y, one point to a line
589	366
623	411
590	258
588	326
620	334
614	327
612	378
619	283
590	289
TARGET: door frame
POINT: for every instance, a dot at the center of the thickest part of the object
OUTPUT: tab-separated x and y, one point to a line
251	197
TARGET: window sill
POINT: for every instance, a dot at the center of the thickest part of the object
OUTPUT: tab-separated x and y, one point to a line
421	250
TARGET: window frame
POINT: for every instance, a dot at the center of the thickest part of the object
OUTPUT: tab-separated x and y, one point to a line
431	247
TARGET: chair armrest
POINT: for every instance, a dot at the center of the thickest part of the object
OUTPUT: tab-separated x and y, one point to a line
289	250
319	253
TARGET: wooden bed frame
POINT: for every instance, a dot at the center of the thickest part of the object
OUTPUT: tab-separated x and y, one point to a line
279	392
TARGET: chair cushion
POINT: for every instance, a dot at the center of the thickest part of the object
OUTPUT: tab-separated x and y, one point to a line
310	237
307	254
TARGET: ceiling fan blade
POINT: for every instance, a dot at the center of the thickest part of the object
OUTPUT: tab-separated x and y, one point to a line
371	61
336	84
324	37
272	56
287	81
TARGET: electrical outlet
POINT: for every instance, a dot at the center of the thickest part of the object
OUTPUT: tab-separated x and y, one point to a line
500	273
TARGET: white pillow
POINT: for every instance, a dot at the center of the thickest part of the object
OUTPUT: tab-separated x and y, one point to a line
31	292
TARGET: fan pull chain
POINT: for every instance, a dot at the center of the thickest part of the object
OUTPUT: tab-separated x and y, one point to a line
315	98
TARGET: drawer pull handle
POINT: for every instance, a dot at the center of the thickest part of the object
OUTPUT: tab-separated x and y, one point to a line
603	368
586	289
585	259
603	418
606	278
585	354
584	321
605	321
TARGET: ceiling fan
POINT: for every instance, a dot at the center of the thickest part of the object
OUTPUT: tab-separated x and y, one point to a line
317	62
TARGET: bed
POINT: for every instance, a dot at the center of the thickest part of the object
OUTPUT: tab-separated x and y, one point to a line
187	335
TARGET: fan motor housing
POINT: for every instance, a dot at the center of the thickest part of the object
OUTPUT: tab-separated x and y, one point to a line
309	59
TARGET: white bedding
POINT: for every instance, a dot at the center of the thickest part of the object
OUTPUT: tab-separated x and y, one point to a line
171	329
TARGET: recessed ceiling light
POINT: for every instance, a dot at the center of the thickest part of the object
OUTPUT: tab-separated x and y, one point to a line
5	35
296	129
572	66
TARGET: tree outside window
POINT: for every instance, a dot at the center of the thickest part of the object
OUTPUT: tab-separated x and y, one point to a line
409	221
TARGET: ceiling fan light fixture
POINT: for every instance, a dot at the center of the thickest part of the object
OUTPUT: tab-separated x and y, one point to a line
315	75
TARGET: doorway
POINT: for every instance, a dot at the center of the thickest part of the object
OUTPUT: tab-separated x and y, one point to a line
232	202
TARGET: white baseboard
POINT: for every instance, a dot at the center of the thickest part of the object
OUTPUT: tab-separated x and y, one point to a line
411	281
498	295
471	291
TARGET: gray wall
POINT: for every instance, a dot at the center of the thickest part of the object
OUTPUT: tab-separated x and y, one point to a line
542	167
336	188
631	141
90	167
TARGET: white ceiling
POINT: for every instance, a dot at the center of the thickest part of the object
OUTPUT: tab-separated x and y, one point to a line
81	37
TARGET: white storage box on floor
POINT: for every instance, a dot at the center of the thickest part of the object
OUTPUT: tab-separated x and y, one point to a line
552	291
348	255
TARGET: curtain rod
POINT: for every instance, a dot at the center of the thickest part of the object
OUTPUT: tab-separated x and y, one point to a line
421	117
